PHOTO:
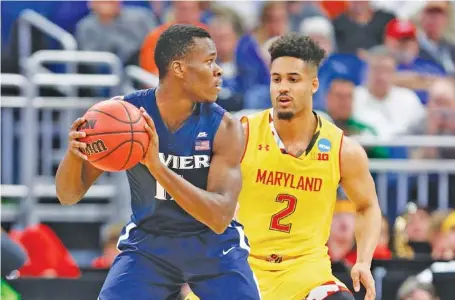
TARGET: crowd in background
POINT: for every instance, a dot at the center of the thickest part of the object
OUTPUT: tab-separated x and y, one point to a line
389	71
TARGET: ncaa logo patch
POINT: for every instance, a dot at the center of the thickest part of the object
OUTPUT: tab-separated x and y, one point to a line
324	145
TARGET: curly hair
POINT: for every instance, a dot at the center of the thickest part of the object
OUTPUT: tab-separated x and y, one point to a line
175	43
297	46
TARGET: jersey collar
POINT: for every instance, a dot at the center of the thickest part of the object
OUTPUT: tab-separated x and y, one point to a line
280	143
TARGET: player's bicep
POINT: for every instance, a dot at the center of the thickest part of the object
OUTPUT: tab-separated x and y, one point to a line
356	178
225	175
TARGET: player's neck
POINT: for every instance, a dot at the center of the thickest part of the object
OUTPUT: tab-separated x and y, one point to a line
299	129
174	106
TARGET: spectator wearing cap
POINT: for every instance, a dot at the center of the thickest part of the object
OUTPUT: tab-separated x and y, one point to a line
434	20
321	31
414	72
360	27
413	289
401	40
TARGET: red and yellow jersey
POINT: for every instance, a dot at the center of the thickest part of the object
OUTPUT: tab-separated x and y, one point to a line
287	202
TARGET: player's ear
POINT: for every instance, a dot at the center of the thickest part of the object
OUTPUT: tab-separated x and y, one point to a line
315	84
178	68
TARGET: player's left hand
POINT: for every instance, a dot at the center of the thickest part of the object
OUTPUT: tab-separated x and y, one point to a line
361	273
151	158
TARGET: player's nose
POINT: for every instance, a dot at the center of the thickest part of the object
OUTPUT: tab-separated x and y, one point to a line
218	72
283	88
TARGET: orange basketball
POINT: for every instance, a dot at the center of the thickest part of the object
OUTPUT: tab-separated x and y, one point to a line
116	138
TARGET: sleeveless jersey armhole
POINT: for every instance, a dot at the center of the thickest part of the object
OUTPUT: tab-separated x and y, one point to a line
339	155
244	121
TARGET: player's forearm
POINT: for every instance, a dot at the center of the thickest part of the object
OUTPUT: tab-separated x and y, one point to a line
69	181
212	209
368	229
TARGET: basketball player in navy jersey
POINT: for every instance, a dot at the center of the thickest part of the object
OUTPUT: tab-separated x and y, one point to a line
184	192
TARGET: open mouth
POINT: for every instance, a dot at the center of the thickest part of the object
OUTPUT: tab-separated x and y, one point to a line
218	85
284	100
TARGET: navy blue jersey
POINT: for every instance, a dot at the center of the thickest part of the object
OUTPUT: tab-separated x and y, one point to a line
187	152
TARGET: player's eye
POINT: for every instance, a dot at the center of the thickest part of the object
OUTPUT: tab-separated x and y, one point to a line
276	79
210	61
293	79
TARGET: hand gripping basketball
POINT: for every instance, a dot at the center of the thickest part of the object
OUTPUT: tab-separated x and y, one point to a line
74	145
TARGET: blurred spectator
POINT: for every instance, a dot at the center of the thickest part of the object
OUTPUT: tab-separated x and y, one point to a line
401	41
413	289
381	104
340	107
412	230
183	12
12	254
434	20
110	250
301	10
439	236
115	28
342	239
414	72
247	10
341	243
320	30
360	27
56	261
252	65
402	9
440	118
223	33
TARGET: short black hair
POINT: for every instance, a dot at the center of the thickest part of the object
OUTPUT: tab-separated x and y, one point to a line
298	46
174	43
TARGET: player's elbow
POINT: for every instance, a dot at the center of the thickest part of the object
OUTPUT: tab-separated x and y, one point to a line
220	227
221	222
66	198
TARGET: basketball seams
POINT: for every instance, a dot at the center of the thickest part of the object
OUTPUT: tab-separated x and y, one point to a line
114	132
118	146
114	117
110	152
132	134
120	133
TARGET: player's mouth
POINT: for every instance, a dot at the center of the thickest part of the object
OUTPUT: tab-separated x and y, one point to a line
218	85
284	101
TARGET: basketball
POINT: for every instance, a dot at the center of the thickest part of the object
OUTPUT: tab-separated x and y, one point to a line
115	135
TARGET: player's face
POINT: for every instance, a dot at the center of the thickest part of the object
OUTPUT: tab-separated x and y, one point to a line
202	77
292	85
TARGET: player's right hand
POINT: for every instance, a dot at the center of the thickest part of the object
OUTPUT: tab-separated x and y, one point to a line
75	146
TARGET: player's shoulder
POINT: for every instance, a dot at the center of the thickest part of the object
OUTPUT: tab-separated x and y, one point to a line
139	94
351	151
140	97
246	116
212	108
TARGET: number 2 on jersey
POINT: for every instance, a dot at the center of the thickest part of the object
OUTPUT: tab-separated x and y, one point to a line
291	202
